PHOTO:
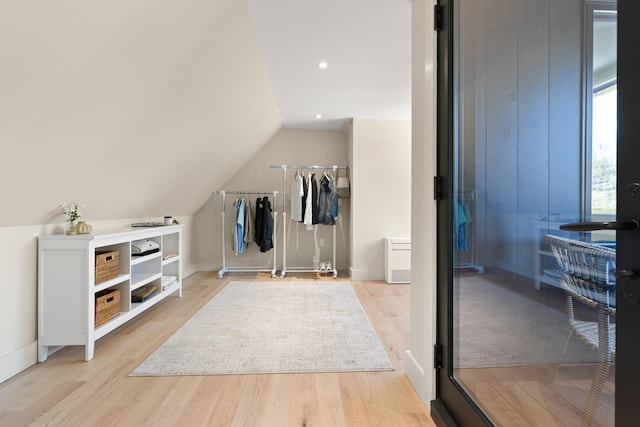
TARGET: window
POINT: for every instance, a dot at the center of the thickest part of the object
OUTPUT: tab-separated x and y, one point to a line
603	152
601	113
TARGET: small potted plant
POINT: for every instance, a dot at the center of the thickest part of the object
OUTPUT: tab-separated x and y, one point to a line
71	215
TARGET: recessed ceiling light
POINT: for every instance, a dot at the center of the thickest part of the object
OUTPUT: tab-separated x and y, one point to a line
318	116
323	65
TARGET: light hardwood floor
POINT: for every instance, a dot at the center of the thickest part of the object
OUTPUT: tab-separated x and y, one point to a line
66	391
545	395
538	395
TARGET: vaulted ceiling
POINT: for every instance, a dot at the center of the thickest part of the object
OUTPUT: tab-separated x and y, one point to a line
142	108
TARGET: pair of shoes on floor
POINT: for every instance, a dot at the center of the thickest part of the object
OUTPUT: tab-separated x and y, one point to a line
325	266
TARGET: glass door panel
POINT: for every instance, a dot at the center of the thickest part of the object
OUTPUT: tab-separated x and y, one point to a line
534	94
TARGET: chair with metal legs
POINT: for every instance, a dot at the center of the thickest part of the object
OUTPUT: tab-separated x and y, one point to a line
587	271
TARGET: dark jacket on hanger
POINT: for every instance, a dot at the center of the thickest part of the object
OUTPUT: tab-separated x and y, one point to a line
314	200
266	242
326	199
258	221
305	194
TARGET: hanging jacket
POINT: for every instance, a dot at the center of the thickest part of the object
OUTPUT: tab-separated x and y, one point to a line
314	200
326	202
334	197
249	223
258	224
234	229
266	241
240	217
305	194
311	207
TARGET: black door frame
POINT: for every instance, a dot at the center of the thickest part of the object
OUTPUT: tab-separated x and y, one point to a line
628	243
451	402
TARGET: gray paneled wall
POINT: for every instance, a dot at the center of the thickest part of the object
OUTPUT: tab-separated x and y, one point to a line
520	88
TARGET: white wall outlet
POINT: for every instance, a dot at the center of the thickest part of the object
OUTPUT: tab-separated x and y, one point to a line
321	243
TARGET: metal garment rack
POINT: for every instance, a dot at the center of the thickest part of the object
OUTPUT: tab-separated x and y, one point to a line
284	270
470	198
226	268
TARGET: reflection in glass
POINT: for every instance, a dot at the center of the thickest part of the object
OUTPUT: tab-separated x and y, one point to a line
527	160
603	111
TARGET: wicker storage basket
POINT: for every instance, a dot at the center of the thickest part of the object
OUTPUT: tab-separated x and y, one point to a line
106	265
107	305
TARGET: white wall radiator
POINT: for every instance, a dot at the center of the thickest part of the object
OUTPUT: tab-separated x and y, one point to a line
397	260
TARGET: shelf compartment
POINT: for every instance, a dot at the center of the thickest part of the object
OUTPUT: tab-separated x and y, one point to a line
108	325
145	293
168	282
171	269
137	307
147	271
135	260
140	306
171	259
107	304
111	282
171	244
141	279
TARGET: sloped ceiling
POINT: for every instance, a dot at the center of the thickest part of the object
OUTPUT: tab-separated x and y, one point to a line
136	109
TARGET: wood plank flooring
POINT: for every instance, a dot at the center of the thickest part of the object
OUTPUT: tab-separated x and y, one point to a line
66	391
545	396
537	395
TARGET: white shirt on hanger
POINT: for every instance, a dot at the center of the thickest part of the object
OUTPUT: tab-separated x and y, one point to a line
297	191
308	210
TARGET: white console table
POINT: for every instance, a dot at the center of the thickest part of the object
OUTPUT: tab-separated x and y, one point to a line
67	292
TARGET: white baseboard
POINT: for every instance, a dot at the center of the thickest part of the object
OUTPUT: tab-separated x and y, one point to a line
189	270
415	373
206	266
17	361
359	274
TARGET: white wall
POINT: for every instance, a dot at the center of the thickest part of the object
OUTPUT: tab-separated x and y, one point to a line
125	106
18	287
419	362
290	147
135	109
381	191
347	128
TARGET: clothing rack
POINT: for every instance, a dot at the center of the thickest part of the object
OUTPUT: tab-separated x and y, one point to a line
333	167
226	268
283	273
468	197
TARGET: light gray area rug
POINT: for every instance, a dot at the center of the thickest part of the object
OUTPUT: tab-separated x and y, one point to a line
499	327
273	327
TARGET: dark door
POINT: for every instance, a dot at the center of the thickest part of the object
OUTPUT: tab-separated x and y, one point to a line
527	142
628	255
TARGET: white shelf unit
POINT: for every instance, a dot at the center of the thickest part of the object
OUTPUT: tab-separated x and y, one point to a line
67	288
